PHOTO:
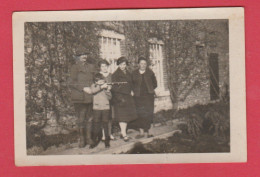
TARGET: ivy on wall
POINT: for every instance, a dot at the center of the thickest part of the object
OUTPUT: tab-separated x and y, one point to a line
50	50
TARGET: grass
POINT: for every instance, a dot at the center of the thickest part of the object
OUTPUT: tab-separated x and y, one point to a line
182	143
206	130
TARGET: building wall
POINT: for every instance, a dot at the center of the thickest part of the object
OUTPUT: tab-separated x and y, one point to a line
200	94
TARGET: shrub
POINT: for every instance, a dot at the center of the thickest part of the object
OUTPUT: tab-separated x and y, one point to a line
218	123
37	137
35	150
194	125
212	119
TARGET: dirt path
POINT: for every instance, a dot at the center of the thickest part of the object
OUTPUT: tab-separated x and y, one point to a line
117	145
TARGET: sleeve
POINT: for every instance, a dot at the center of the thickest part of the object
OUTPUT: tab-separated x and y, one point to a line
73	80
115	88
130	82
116	95
108	94
109	78
120	88
93	68
154	81
95	88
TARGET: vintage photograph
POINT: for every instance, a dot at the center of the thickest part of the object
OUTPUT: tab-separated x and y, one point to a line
128	86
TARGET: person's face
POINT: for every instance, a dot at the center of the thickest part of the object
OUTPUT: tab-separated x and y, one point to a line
122	66
83	58
142	65
103	68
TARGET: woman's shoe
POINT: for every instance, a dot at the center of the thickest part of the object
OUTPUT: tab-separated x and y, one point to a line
103	139
112	137
126	138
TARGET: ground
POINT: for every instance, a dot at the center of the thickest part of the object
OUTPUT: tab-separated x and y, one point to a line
198	129
117	146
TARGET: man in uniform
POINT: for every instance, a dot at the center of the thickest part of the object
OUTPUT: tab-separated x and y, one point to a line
81	78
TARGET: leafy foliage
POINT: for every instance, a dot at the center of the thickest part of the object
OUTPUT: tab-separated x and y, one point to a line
194	125
50	50
187	46
181	143
218	122
212	119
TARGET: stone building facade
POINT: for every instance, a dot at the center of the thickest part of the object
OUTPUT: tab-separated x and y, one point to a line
215	66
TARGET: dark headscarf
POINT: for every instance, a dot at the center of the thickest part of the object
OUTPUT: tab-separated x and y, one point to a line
142	58
121	60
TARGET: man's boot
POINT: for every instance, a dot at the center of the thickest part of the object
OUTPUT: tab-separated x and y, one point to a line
89	133
81	138
96	129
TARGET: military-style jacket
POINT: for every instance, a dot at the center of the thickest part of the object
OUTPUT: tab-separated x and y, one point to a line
81	75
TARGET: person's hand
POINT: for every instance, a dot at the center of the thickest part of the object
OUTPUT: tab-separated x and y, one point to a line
100	82
87	90
156	93
132	93
104	86
109	87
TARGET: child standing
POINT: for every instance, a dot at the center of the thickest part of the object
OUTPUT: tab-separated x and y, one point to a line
101	108
103	66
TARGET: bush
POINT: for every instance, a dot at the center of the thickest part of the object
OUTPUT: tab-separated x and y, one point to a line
37	138
35	150
218	123
210	119
194	125
163	116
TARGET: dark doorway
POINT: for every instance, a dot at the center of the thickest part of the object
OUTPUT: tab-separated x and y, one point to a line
214	76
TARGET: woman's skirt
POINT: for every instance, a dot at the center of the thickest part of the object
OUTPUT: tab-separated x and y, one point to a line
124	108
144	110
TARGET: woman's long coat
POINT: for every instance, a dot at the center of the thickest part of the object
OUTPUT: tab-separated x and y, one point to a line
122	100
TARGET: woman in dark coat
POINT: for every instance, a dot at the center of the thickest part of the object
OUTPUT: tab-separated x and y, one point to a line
122	99
144	83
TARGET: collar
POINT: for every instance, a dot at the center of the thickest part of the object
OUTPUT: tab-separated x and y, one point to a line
104	74
141	72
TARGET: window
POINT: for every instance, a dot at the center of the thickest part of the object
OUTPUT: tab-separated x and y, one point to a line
156	58
110	47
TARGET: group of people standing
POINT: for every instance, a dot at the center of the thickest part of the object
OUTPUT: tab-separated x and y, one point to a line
101	98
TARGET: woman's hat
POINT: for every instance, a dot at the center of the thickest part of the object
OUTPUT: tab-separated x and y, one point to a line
121	60
103	62
141	58
82	53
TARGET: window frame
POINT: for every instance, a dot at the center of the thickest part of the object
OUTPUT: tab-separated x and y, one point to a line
156	58
109	51
161	90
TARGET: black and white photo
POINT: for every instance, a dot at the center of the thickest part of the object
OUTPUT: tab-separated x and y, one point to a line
129	86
